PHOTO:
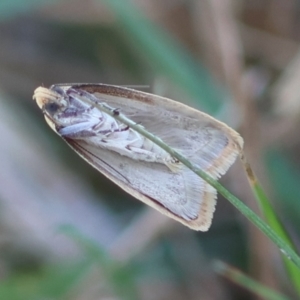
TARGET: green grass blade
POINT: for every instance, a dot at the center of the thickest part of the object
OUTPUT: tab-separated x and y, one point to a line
285	181
274	222
247	282
246	211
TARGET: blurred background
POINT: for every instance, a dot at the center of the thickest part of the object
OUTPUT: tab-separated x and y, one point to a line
66	232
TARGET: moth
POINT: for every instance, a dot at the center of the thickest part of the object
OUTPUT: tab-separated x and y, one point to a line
132	161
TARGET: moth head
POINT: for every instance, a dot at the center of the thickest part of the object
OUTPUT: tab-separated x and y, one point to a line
53	102
50	101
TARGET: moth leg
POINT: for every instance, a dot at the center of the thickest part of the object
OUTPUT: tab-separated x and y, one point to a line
102	126
145	155
136	140
79	130
173	165
136	153
120	148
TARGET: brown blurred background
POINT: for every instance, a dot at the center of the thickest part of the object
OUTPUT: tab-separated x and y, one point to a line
66	232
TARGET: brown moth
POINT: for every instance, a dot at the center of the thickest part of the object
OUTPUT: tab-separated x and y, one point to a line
135	163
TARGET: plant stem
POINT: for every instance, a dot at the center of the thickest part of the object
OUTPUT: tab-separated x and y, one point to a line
246	211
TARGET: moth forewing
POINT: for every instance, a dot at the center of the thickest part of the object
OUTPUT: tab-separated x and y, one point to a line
153	178
133	162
